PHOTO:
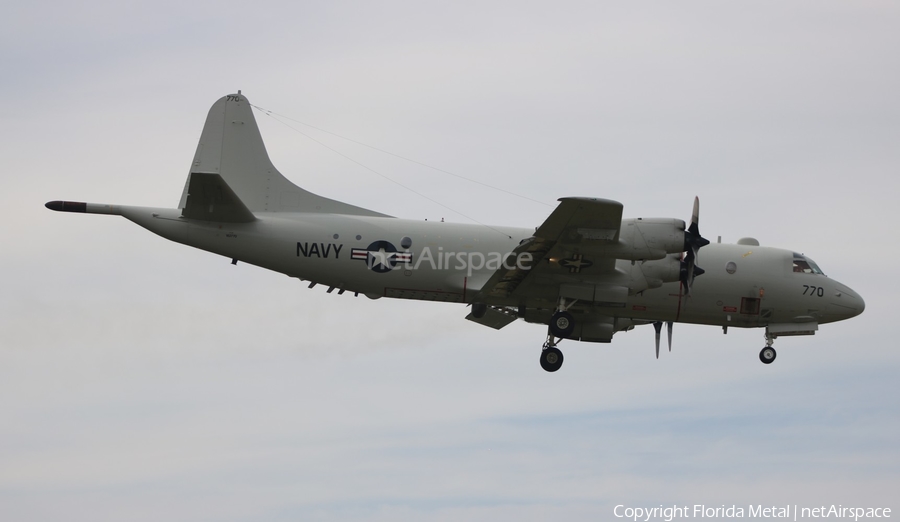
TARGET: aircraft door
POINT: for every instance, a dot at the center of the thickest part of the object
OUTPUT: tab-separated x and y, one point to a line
751	309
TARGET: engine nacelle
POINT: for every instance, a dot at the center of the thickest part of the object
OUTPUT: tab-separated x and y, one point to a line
652	238
659	271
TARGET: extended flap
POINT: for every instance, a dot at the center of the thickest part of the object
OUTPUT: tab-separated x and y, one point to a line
493	318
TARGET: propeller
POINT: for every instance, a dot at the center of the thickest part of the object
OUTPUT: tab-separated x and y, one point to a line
658	326
669	331
693	242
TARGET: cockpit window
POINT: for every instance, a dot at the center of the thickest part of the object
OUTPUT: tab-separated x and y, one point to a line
805	265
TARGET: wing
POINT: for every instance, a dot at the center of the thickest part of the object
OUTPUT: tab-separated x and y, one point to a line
566	251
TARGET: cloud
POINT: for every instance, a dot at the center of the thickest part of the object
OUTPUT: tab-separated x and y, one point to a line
144	380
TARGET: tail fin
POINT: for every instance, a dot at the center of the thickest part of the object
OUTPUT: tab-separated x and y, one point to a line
231	147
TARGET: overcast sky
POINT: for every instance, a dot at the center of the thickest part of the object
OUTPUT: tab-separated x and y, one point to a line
144	380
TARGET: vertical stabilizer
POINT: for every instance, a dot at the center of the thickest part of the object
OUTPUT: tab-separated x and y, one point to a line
231	147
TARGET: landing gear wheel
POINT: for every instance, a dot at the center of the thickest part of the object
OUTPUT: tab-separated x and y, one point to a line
767	355
562	324
551	359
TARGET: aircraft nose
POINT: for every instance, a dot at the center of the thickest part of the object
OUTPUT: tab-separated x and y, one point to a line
848	303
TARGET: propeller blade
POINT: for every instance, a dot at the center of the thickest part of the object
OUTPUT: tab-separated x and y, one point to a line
688	271
669	331
658	326
695	216
693	242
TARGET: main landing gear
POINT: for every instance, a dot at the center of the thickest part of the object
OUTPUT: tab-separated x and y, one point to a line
767	354
551	356
562	324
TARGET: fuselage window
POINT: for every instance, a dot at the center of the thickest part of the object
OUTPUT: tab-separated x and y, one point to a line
805	265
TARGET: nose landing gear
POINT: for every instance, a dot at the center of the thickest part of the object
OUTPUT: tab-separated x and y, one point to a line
767	354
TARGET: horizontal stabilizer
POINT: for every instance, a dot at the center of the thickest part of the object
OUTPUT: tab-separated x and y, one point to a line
209	198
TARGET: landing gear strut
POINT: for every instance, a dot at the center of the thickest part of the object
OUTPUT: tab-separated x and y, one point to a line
767	354
562	324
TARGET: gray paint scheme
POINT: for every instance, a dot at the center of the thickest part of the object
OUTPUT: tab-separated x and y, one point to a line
619	273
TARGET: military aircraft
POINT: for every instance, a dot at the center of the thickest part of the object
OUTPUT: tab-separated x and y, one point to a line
585	272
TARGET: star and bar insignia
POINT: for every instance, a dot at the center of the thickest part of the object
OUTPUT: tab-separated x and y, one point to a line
575	263
381	256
